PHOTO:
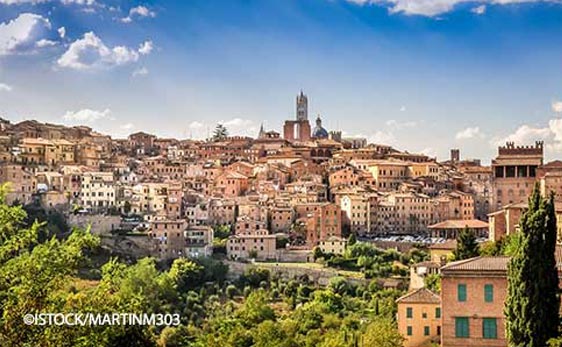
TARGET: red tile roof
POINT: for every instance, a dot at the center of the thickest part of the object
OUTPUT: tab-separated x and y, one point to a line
420	296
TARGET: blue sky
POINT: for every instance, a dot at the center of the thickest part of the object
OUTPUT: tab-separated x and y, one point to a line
422	75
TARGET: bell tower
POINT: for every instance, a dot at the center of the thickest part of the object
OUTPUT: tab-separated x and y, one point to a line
302	107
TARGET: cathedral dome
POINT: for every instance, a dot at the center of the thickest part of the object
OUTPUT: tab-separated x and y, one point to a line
319	132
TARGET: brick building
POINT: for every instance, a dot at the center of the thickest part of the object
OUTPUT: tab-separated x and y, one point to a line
473	292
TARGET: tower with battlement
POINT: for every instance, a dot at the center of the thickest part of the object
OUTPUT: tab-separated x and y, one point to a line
514	173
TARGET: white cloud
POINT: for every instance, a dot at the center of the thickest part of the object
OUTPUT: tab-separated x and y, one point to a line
21	34
5	88
430	152
79	2
402	108
62	32
479	10
139	11
557	106
141	71
18	2
146	47
526	134
45	43
127	126
236	127
90	53
86	115
196	125
393	123
382	137
433	8
237	122
469	133
65	2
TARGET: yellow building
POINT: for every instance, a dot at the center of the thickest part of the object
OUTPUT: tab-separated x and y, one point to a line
419	317
427	169
333	244
442	252
37	151
387	174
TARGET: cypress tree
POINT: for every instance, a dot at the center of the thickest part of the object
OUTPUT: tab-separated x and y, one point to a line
466	245
532	303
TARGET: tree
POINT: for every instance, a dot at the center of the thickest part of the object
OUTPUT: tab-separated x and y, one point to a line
220	133
317	253
185	274
252	254
127	208
382	332
532	301
352	239
466	245
433	282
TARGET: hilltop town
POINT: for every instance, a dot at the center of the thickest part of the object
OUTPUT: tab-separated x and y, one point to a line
282	201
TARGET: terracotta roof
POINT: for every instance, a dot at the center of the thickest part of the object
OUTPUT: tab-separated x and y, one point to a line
235	175
479	264
483	265
552	164
460	224
420	296
429	264
448	245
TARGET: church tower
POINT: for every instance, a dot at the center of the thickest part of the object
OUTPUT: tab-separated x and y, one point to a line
302	107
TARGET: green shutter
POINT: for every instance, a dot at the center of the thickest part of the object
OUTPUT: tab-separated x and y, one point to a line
489	293
489	328
409	313
438	312
409	332
461	292
426	331
461	327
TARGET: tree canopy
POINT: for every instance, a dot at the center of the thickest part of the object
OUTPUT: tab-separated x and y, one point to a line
532	303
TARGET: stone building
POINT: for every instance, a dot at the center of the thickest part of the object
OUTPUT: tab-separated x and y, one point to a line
168	238
515	173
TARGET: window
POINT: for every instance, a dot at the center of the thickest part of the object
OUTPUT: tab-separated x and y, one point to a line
409	312
489	328
425	331
424	315
461	327
409	331
488	292
438	312
461	292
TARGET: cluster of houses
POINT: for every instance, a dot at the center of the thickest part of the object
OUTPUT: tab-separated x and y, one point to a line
309	188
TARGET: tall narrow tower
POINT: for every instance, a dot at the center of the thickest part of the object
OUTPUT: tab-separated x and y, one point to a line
302	107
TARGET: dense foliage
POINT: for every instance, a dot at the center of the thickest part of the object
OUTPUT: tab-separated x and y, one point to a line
466	245
532	297
372	261
254	309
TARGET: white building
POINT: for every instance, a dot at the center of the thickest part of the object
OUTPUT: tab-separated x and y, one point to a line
97	190
198	241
